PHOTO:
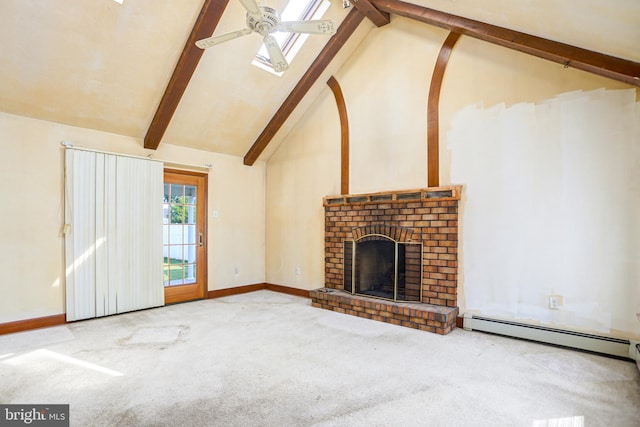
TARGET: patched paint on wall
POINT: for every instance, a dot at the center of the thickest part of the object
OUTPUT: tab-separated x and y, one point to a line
551	206
477	72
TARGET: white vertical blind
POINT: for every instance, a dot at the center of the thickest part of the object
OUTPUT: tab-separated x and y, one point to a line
139	234
105	191
113	246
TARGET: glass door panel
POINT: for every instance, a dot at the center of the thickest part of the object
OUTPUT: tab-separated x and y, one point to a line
183	236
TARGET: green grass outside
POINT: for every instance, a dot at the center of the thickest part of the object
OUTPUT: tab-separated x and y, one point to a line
173	273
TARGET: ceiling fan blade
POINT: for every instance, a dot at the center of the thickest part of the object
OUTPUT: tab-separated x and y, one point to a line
214	40
251	6
318	26
278	61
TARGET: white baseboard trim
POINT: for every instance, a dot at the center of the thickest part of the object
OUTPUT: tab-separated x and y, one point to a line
595	343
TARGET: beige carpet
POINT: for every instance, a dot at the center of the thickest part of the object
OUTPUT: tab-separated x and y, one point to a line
268	359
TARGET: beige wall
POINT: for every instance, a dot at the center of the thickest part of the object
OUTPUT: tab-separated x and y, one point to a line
387	105
31	244
270	217
299	176
385	84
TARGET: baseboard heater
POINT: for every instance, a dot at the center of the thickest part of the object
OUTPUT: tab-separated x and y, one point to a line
616	347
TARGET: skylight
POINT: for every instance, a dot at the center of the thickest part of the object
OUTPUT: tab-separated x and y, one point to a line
290	43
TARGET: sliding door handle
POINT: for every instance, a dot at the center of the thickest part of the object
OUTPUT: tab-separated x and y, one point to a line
200	238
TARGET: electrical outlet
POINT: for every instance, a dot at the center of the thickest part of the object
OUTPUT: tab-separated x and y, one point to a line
555	302
298	271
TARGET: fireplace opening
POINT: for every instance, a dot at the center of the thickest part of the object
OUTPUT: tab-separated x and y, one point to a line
378	266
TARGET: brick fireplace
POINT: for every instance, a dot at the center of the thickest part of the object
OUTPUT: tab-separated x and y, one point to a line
414	286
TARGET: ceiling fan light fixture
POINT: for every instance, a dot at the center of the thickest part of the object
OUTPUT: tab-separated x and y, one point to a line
265	20
264	23
346	4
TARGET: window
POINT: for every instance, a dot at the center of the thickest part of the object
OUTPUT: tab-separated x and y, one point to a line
180	234
290	43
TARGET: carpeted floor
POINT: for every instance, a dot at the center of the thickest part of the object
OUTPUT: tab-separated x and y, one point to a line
268	359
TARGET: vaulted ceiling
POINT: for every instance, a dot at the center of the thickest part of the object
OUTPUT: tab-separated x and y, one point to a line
101	65
105	66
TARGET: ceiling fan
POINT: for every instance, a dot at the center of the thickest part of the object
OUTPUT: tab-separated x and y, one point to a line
265	20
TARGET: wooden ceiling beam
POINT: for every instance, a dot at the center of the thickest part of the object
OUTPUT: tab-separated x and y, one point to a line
570	56
206	23
374	15
346	28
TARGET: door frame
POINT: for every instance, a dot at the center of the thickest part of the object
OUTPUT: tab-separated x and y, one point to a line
185	293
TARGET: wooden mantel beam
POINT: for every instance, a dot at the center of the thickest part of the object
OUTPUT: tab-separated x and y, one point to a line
570	56
348	26
206	23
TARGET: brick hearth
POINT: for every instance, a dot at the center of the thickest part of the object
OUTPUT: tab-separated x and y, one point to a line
426	317
429	216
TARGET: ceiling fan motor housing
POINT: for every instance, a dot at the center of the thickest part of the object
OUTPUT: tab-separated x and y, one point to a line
264	23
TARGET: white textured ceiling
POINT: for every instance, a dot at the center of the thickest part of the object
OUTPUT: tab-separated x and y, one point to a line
101	65
90	63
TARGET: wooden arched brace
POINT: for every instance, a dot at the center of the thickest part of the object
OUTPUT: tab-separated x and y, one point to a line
433	128
344	134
